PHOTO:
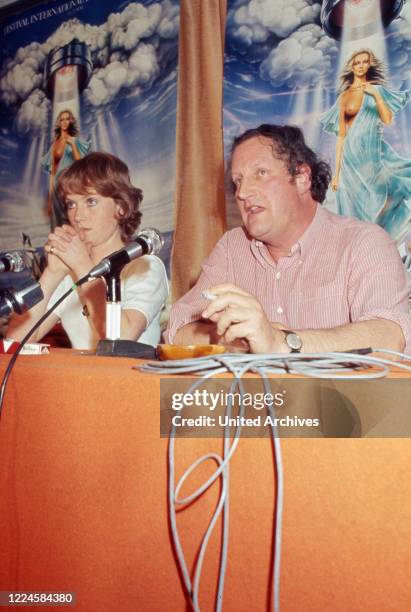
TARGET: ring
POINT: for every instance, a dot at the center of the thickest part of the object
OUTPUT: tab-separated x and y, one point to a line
51	250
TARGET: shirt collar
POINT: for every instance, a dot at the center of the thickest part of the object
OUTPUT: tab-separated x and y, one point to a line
304	243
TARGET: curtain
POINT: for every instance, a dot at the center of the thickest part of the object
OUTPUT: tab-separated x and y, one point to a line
200	217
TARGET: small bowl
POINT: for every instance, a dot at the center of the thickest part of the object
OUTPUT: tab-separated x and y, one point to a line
175	351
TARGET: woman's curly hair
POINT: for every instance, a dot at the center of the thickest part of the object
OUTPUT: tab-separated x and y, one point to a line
109	177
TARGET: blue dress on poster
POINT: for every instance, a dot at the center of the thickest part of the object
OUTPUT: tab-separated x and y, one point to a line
57	214
375	182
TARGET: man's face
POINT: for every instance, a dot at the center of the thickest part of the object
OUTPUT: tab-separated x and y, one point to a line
266	194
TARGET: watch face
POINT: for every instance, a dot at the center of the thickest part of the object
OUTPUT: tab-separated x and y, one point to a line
294	341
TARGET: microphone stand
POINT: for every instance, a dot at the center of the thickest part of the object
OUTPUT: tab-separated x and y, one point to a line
112	345
113	306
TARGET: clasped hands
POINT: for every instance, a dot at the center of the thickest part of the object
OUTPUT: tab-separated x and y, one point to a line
67	250
239	316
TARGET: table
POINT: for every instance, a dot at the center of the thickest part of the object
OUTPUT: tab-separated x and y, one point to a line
83	502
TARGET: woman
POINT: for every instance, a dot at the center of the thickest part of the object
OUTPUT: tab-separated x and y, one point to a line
102	207
66	149
371	181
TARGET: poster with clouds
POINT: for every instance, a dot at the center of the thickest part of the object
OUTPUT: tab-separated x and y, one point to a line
283	64
113	65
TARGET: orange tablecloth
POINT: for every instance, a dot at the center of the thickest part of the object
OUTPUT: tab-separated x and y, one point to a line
83	502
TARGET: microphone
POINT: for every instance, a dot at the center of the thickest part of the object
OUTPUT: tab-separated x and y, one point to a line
20	300
147	242
11	262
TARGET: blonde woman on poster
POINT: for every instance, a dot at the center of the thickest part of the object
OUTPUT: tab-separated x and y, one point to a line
371	181
66	148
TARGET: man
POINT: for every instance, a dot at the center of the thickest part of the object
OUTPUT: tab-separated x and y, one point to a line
295	277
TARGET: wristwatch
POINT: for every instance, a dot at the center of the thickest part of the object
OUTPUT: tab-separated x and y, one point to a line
293	341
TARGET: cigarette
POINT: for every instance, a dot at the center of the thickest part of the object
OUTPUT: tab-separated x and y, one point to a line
208	295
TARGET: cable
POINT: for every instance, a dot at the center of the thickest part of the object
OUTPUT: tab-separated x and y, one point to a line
23	342
222	471
346	366
317	365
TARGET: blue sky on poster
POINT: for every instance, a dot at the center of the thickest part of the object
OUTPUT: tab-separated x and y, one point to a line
128	106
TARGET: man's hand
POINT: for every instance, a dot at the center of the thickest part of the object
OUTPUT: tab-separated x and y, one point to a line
238	315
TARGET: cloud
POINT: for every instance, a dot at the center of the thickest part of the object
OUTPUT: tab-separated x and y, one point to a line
285	38
126	54
399	51
33	114
139	70
305	58
95	36
133	24
256	20
24	74
169	22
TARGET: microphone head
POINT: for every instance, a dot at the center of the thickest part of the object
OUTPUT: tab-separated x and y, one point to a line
18	261
29	295
147	242
15	262
153	238
20	300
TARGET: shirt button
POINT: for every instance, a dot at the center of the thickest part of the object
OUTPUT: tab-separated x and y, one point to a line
280	310
300	262
278	274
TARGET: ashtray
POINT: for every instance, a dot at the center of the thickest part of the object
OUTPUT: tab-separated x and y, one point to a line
175	351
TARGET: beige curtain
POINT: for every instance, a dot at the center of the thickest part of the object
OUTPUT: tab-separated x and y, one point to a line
199	197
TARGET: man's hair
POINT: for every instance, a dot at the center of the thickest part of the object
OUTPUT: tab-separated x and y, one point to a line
288	145
72	129
109	177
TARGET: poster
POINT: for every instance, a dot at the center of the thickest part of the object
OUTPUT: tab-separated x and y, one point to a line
283	64
113	65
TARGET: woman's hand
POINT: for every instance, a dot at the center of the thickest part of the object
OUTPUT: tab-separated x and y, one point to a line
69	246
55	264
383	109
370	89
69	139
72	143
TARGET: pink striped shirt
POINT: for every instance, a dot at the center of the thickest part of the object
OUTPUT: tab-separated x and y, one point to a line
341	270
